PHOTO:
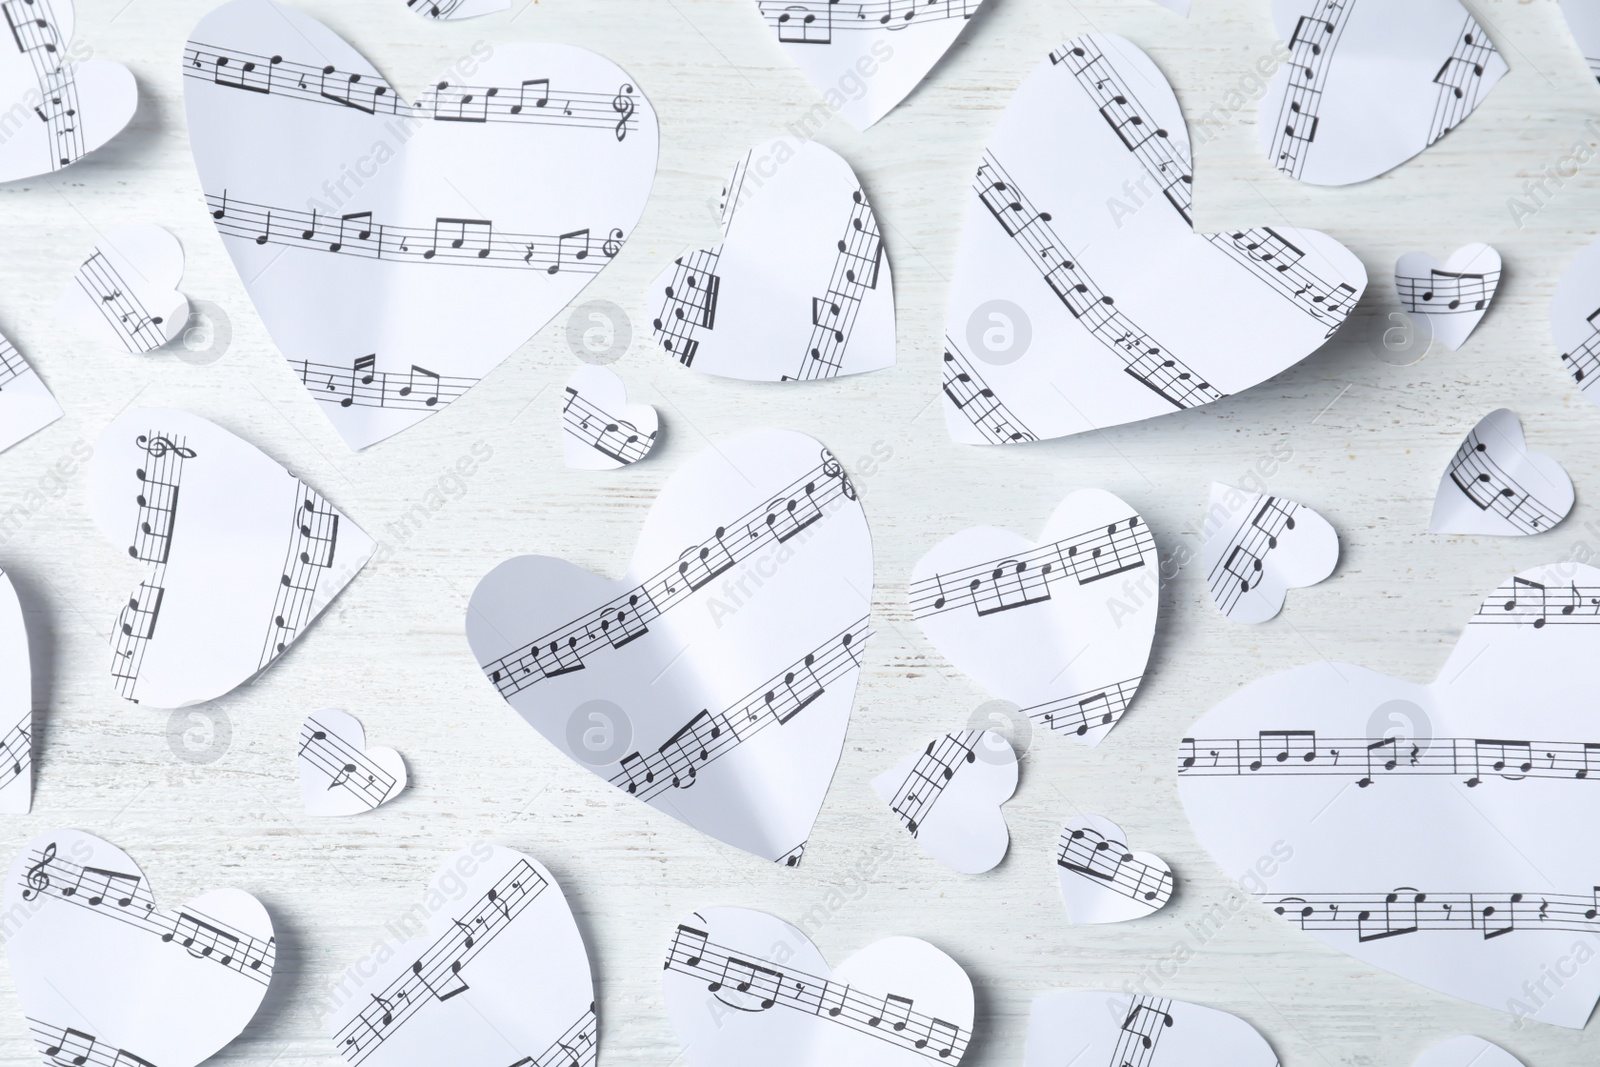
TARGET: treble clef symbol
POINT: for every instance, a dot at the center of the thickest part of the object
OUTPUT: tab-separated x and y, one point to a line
622	104
613	244
37	880
159	446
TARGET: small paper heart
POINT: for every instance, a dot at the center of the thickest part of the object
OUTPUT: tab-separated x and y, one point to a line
26	405
1453	297
949	795
126	293
443	10
339	774
1259	547
1496	487
600	429
1104	881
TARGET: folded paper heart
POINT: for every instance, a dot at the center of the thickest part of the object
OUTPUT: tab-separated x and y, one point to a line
1495	486
456	9
26	406
1259	547
1454	296
1083	298
1466	1051
106	977
1575	319
1102	880
600	429
412	247
1137	1031
714	680
339	774
125	294
948	797
16	706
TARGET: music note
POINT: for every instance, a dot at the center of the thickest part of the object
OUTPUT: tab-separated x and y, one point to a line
561	248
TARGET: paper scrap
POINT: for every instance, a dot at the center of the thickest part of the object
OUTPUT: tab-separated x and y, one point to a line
126	293
601	431
948	797
16	705
1137	1031
1494	486
1573	311
1453	297
1102	879
339	774
1258	547
26	405
1466	1051
1583	19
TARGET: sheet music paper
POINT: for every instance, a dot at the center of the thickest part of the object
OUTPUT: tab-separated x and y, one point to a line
240	556
69	105
492	200
714	679
1105	1029
948	797
109	979
1583	19
1082	297
1575	320
1258	547
743	987
1466	1051
339	773
501	976
1434	831
1454	295
125	294
1062	628
1102	879
800	288
16	706
1371	84
1495	486
600	430
443	10
26	404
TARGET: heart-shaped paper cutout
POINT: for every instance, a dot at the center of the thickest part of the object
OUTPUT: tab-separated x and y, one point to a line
865	57
1453	297
601	431
1575	319
1466	1051
79	103
1136	1031
948	797
456	9
339	774
16	705
1258	547
1496	487
800	288
1062	628
496	972
240	555
1368	86
1083	298
105	977
26	404
743	987
126	293
1583	19
400	252
1449	853
714	680
1102	879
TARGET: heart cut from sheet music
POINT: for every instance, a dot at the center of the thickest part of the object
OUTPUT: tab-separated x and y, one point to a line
1583	19
499	974
1089	1027
1102	880
799	290
1466	1051
743	987
1494	486
399	252
26	404
339	774
600	430
714	680
1575	320
16	705
1371	83
1453	296
1449	851
1061	628
106	977
948	797
1259	547
126	293
1082	296
240	556
443	10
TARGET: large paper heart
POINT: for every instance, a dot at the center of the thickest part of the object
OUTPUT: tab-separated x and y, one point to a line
399	252
1466	1051
126	293
1583	19
1259	547
1453	296
1369	85
16	705
1496	486
1062	628
600	430
339	774
109	980
1102	879
26	405
240	555
714	680
948	797
1574	311
864	57
1083	298
1128	1031
743	987
63	104
499	974
799	290
1454	853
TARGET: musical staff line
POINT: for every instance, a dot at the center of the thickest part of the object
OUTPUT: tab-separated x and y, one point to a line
1445	292
118	303
35	31
577	1047
1239	567
1303	752
833	315
1460	79
933	771
1522	602
1487	485
1095	709
616	438
1110	865
1583	362
1141	1031
16	749
1279	262
1312	45
154	520
814	21
345	766
67	1046
690	304
12	365
362	385
313	542
1377	916
974	399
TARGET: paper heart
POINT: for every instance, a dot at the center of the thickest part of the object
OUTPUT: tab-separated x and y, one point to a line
81	103
339	774
26	406
714	680
1369	85
1495	486
125	294
1453	297
16	705
1062	629
601	431
743	987
865	57
1573	312
456	9
1466	1051
948	797
1082	296
1104	881
1103	1027
496	973
240	555
800	288
1436	851
1583	19
1258	547
411	247
106	978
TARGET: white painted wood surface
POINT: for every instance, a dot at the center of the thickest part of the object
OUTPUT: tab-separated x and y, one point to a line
1369	440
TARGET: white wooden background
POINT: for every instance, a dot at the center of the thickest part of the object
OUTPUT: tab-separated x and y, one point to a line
1369	440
